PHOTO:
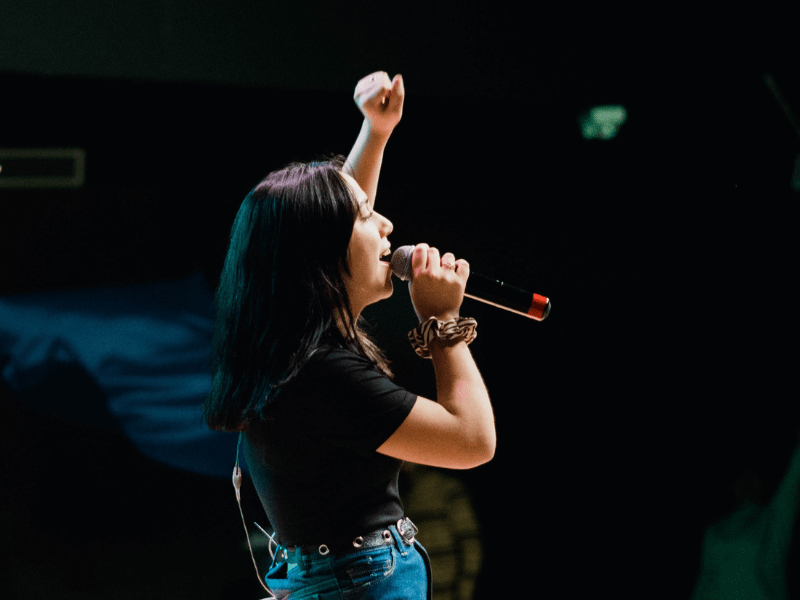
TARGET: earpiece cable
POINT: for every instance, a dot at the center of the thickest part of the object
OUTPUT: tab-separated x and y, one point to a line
237	484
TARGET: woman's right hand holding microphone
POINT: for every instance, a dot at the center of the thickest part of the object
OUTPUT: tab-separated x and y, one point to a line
438	283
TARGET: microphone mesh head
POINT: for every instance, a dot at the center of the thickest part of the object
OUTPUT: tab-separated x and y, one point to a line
401	262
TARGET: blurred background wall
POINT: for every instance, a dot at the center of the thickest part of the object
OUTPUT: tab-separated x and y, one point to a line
652	404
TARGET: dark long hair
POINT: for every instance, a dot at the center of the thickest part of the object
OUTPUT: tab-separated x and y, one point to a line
281	289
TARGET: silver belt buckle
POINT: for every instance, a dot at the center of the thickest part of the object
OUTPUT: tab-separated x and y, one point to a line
407	530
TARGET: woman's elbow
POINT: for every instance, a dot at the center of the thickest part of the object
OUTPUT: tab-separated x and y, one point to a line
489	449
481	451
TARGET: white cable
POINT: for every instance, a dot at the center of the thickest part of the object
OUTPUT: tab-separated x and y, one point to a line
271	540
237	484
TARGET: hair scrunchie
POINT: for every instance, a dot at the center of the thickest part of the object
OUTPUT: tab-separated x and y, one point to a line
425	332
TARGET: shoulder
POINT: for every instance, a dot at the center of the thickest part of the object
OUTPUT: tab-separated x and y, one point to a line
336	362
343	398
331	371
344	373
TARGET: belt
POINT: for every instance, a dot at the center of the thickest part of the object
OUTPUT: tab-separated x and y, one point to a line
374	539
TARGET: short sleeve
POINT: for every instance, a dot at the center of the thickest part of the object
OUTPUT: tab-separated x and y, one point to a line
344	400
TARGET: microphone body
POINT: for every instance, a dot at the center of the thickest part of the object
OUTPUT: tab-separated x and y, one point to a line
484	289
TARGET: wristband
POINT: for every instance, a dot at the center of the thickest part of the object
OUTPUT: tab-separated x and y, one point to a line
425	332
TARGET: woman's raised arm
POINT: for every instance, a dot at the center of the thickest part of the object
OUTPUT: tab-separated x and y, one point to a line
380	100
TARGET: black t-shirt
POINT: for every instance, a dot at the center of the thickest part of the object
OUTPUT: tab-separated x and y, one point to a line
313	459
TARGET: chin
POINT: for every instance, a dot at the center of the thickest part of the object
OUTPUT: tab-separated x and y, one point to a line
388	291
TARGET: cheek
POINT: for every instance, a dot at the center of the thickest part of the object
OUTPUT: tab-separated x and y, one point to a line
356	259
360	248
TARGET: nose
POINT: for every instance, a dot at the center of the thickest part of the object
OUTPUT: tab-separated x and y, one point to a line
386	226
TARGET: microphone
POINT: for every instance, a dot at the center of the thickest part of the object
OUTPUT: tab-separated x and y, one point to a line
484	289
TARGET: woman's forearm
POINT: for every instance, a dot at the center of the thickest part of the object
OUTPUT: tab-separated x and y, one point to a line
461	391
365	159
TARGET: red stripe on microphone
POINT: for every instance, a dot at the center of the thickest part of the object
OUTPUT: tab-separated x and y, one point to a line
538	306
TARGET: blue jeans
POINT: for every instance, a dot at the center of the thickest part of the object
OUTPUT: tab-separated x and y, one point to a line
391	572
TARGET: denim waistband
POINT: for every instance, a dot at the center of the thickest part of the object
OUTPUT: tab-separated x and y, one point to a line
405	529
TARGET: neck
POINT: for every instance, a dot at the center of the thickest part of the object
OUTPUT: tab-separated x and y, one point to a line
343	323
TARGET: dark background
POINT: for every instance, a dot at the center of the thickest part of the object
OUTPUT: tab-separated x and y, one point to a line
623	420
